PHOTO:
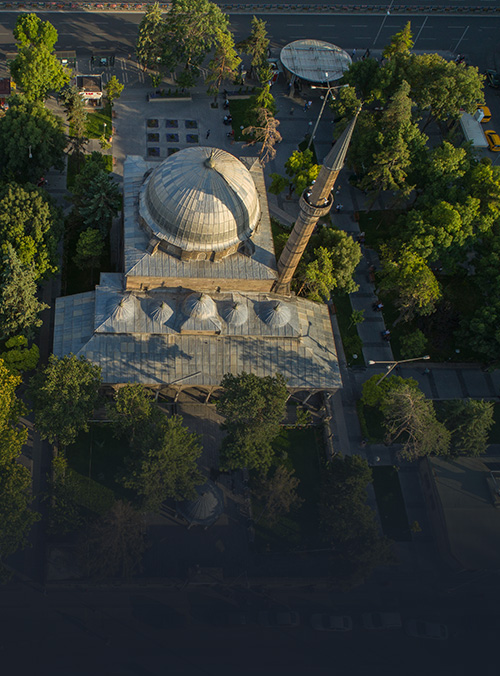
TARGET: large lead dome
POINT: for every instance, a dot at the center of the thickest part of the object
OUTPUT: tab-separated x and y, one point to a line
199	201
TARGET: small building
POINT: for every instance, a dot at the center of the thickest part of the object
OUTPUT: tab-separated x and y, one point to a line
90	88
67	58
314	61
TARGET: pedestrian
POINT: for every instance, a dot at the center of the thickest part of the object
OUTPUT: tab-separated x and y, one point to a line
309	104
208	133
305	107
354	52
337	208
288	87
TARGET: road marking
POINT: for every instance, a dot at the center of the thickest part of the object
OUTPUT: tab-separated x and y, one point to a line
488	28
295	25
359	25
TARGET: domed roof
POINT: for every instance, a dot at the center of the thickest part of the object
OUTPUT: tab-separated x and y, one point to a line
275	313
122	307
206	508
235	312
199	306
200	199
160	311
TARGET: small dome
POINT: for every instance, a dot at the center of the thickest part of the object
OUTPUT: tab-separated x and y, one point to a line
235	313
121	308
200	200
275	313
199	306
160	311
206	508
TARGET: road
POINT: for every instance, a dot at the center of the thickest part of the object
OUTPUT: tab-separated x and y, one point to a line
91	32
153	632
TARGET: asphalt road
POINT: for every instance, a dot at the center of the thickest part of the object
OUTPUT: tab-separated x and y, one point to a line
153	632
90	32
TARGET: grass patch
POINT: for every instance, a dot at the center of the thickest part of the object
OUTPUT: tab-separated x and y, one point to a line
96	121
98	454
304	453
350	338
459	303
390	503
371	422
243	116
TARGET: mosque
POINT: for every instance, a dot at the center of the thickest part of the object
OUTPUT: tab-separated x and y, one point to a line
201	293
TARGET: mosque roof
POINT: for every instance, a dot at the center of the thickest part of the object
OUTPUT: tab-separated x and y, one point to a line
200	199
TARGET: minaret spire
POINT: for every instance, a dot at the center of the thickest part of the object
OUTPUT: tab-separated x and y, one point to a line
314	203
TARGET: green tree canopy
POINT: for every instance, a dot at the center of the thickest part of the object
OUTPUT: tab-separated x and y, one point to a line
400	44
89	248
192	28
163	462
96	195
469	423
131	409
31	225
19	305
410	418
407	274
347	523
149	45
364	76
253	408
257	43
18	357
16	515
64	394
224	65
32	141
334	270
113	89
277	494
36	69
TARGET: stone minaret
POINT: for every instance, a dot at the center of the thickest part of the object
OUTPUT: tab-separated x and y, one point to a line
314	203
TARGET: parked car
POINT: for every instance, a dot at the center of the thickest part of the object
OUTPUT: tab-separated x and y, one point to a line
381	620
493	140
421	629
278	618
324	622
486	113
493	78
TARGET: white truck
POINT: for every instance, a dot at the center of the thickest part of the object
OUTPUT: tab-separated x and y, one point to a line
472	129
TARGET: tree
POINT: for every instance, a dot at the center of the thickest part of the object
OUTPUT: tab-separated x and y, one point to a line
16	515
163	462
301	170
115	544
131	409
36	69
64	394
469	423
375	389
31	225
411	418
347	523
364	76
192	30
413	344
89	249
257	43
224	65
65	515
19	306
277	494
408	275
77	118
113	89
345	104
101	202
400	44
266	133
443	87
253	408
333	270
18	357
149	45
32	141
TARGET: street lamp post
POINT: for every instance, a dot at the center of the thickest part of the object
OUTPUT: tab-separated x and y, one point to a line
105	127
329	91
29	152
394	364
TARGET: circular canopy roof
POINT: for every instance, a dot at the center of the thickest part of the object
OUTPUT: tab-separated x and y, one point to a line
200	199
315	60
206	508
